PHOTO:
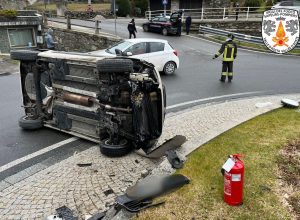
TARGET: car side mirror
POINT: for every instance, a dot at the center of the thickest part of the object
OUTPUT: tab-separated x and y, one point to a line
128	54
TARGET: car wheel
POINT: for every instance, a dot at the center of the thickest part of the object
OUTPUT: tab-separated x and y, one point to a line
169	68
28	123
165	31
115	66
113	150
145	28
24	55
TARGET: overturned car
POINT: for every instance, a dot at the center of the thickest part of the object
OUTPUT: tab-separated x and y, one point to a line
117	102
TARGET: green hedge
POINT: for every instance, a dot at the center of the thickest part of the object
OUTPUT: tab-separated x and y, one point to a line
252	3
8	13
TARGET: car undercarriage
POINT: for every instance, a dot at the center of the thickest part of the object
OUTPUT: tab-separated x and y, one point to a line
117	102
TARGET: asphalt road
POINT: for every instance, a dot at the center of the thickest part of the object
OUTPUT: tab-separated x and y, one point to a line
196	79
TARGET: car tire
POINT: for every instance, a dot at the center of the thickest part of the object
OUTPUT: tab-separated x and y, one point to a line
112	150
27	123
24	55
115	66
146	28
164	31
170	68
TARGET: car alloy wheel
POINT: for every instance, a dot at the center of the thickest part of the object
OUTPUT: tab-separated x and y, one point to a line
169	68
165	31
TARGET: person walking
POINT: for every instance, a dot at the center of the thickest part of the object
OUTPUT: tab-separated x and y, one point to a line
229	51
188	22
237	10
49	40
131	28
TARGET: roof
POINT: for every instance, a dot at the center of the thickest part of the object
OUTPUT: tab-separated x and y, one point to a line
138	40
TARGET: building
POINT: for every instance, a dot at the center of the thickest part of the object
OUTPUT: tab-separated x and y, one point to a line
188	4
20	32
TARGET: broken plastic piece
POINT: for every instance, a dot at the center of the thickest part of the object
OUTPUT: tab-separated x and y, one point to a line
84	164
65	213
174	159
171	144
290	103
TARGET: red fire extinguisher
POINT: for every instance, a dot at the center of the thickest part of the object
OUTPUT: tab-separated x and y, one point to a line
233	180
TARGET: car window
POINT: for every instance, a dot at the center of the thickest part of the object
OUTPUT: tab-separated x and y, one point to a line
155	19
156	47
163	19
138	48
121	46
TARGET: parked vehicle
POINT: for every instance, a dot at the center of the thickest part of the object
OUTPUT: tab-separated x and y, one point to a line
158	52
288	5
118	102
164	25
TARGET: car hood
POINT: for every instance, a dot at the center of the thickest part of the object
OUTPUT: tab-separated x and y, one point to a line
101	53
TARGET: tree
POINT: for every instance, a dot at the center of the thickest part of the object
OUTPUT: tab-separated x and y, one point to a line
123	7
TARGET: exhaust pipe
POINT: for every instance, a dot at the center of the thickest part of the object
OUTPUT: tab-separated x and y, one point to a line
77	99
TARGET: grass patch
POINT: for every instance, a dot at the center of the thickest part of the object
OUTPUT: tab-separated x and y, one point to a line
253	46
71	7
260	140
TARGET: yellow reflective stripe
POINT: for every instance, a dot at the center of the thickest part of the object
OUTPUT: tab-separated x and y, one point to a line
227	59
230	74
218	54
224	73
225	52
232	52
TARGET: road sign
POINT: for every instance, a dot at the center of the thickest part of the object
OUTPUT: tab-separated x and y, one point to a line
164	2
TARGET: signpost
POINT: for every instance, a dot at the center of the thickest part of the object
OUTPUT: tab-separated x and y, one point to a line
165	2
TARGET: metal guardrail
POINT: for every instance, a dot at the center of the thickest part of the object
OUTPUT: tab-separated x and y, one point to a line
243	13
238	36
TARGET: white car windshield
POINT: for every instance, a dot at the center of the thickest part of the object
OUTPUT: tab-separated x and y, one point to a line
121	46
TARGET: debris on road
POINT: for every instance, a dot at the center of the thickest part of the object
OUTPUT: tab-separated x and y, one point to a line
263	104
290	103
174	159
84	164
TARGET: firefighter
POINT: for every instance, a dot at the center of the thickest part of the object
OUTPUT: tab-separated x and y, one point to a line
229	51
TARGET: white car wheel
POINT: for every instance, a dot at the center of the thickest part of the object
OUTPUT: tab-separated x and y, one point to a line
169	68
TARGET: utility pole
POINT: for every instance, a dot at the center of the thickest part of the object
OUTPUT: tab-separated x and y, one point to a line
115	17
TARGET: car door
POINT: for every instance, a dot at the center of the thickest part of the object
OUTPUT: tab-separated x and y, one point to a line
138	50
157	55
154	24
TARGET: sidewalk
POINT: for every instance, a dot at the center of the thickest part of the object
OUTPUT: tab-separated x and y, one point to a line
89	190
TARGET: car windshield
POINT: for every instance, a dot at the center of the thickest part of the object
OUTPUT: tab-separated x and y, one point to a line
121	46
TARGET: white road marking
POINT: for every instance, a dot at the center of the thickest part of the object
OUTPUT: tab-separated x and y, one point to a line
37	153
211	98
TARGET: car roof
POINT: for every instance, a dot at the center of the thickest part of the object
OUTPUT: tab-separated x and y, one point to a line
139	40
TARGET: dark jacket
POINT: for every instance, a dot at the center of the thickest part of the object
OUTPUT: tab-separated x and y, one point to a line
229	51
188	21
131	27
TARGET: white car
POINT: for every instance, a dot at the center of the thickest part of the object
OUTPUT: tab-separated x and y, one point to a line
288	5
158	52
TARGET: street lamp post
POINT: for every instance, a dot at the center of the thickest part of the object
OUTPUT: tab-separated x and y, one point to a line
115	17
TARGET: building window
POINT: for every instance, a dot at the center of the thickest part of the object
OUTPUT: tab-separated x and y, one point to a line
21	37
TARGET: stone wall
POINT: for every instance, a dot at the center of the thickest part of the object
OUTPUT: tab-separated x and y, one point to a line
215	3
13	4
70	40
4	42
244	27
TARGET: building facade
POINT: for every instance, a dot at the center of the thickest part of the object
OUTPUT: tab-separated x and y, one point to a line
21	32
187	4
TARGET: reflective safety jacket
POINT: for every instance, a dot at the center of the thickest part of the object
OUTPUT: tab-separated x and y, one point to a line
229	51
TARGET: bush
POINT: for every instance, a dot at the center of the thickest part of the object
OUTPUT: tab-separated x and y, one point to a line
8	13
252	3
142	4
123	8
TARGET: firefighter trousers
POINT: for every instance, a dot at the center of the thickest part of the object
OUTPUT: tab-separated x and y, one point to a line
227	70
